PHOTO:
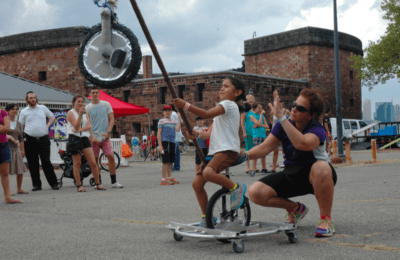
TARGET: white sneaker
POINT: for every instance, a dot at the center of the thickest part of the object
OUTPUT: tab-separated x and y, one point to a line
281	165
117	185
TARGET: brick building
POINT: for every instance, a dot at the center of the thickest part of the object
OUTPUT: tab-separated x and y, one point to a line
288	62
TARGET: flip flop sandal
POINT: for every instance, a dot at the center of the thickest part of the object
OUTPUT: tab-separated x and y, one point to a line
80	190
248	172
25	192
258	170
12	194
102	188
14	201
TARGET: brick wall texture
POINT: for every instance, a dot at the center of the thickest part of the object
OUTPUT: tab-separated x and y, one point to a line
288	69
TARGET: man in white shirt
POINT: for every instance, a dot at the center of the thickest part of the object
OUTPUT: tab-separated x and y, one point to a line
178	139
37	141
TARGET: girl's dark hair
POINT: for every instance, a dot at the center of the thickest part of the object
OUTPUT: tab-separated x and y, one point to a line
246	107
316	104
76	98
10	106
255	105
239	84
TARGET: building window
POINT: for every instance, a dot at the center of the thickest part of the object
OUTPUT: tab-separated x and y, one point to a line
181	90
351	102
137	128
351	74
273	88
127	93
42	75
163	92
200	88
16	75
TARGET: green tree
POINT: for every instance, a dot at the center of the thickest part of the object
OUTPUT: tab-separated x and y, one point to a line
381	58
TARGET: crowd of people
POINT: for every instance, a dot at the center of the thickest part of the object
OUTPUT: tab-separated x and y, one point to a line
299	131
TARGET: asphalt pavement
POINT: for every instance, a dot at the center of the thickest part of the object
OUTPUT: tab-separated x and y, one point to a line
129	223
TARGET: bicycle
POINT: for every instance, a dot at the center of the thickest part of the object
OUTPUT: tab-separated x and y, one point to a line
103	162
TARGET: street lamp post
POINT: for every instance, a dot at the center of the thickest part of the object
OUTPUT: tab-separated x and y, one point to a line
339	129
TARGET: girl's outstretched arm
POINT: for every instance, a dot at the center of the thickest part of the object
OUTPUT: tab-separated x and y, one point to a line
205	114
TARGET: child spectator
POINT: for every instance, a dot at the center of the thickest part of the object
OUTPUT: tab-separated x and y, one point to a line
167	129
153	146
224	144
259	134
135	145
143	146
202	143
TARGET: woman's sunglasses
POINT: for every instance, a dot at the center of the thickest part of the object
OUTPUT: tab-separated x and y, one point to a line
299	108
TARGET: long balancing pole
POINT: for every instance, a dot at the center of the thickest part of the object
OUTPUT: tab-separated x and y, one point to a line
165	74
339	127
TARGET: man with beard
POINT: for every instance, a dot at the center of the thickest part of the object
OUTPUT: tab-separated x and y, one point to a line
37	141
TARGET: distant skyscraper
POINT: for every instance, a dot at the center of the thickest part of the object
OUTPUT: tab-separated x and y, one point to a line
367	109
397	113
384	111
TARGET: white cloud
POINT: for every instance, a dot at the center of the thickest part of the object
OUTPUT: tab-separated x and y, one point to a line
146	50
203	69
171	8
359	20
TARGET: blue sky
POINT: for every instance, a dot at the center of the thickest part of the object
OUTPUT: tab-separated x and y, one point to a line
207	35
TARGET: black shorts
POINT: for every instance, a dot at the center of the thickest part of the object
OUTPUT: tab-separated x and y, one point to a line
169	152
293	181
153	147
76	144
205	152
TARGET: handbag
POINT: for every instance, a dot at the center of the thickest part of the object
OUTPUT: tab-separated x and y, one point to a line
125	151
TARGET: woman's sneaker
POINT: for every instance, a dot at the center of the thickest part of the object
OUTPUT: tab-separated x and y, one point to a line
325	227
204	224
172	179
296	215
237	196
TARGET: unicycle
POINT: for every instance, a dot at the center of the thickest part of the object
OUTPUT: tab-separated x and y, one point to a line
218	207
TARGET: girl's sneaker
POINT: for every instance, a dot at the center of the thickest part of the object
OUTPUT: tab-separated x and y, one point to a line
172	179
325	227
204	224
296	215
166	182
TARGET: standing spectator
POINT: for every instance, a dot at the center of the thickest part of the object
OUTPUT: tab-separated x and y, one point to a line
247	127
167	128
200	127
143	146
274	120
16	142
78	141
328	128
101	116
135	145
5	157
178	139
144	138
37	143
259	135
153	146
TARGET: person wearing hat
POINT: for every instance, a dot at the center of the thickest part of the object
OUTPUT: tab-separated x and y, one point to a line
202	142
167	128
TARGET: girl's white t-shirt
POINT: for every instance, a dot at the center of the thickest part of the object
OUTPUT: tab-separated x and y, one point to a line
225	130
83	123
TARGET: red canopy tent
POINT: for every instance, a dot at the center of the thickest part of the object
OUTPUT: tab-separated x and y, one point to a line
122	108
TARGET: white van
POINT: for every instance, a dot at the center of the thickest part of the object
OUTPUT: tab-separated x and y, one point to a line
348	126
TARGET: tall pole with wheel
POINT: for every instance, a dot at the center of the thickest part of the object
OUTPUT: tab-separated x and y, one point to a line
339	123
165	74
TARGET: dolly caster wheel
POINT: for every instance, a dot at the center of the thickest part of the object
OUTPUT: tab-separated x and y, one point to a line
59	183
292	237
92	182
177	237
238	247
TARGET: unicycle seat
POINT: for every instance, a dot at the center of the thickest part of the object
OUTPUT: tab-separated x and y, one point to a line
240	159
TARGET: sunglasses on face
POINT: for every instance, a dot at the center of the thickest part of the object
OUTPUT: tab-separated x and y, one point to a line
299	108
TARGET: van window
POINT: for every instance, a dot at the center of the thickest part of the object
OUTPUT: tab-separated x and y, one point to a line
362	124
354	125
346	124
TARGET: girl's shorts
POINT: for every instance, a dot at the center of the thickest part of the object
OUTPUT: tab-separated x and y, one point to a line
5	153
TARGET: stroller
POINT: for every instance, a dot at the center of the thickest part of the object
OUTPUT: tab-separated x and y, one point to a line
67	167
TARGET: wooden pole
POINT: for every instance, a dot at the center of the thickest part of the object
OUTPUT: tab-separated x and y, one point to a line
373	149
348	152
334	147
165	74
